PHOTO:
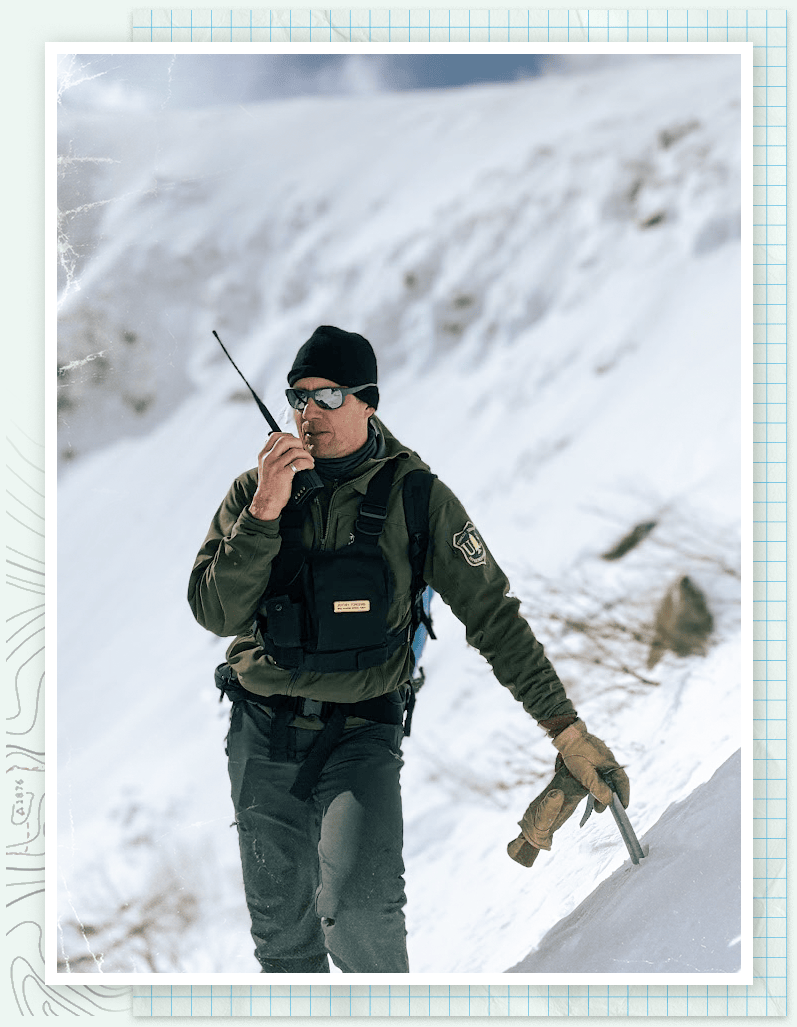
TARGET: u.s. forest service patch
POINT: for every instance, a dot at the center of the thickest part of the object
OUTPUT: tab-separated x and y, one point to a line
469	543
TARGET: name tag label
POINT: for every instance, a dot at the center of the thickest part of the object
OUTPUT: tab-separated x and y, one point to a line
352	606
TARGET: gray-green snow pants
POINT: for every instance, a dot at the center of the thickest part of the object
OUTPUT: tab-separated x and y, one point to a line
326	875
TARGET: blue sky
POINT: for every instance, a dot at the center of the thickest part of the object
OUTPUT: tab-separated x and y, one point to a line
141	81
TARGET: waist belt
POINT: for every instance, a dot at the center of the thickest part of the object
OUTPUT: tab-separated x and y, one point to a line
381	710
332	662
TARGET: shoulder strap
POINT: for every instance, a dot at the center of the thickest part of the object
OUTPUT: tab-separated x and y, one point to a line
373	506
417	489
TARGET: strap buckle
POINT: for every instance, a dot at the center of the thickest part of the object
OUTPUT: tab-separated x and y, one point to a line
311	708
374	513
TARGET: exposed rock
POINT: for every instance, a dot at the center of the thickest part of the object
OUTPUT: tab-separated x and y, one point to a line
683	622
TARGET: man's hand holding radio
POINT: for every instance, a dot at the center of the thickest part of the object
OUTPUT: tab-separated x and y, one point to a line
277	463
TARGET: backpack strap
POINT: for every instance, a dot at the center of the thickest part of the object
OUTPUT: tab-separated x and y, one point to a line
372	514
417	489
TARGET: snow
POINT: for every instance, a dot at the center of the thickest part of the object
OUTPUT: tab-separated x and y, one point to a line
691	870
549	272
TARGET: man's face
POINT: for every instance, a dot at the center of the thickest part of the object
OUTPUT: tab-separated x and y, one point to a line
327	434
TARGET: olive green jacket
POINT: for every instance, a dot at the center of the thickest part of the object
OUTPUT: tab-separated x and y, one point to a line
232	569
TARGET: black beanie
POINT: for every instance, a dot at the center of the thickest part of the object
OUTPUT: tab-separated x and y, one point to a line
342	357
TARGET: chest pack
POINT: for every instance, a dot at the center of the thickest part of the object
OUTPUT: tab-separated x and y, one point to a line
326	610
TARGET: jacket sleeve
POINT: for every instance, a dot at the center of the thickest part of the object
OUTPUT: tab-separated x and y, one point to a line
460	568
232	568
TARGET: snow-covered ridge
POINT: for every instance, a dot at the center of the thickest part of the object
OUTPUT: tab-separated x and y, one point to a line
423	219
548	272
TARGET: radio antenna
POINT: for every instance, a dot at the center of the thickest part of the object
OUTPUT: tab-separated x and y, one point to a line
263	408
305	483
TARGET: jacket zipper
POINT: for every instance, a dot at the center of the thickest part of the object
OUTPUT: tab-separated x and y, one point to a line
325	527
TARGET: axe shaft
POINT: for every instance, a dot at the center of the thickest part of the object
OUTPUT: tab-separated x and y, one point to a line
626	831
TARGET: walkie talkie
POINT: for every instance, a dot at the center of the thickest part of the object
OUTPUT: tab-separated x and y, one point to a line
305	483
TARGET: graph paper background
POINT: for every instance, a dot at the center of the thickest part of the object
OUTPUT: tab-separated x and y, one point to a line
767	31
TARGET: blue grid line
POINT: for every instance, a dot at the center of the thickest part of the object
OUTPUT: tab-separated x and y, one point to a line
675	1002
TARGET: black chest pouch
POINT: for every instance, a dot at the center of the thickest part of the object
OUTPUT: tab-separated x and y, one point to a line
351	594
327	611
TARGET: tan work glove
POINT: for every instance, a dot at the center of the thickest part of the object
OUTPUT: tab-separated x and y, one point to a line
587	758
546	814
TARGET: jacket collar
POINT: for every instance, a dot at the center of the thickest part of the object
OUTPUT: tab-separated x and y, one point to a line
389	448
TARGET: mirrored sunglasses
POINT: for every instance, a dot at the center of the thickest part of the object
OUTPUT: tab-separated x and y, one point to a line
328	398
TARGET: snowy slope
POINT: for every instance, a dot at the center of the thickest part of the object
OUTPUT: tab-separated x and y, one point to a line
691	869
548	272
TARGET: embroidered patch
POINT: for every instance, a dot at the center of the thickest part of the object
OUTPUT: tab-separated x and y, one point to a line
469	543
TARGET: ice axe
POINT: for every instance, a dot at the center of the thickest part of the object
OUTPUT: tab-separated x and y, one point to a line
635	850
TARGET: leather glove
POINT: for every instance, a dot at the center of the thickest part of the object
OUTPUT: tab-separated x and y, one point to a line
546	814
587	758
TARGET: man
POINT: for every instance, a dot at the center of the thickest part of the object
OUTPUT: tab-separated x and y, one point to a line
320	601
